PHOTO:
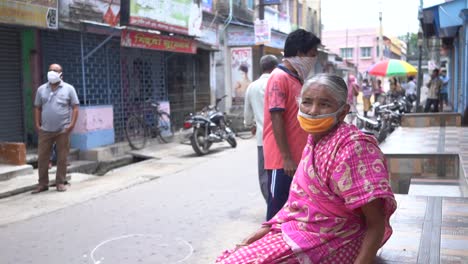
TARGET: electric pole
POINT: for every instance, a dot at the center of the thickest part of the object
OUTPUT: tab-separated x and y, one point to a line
380	37
261	16
420	50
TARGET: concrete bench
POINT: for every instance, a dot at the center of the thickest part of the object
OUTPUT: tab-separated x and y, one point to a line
428	230
431	119
437	153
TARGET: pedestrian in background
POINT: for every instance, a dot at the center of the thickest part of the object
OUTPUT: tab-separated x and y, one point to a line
378	91
353	92
366	95
434	85
410	89
444	91
55	113
253	115
395	91
283	139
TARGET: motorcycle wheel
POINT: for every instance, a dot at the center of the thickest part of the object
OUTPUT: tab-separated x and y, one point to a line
197	141
232	141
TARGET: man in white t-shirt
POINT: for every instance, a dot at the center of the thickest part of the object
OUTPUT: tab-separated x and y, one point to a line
411	89
253	111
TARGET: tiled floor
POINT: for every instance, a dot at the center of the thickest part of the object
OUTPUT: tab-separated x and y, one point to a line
427	140
428	230
429	152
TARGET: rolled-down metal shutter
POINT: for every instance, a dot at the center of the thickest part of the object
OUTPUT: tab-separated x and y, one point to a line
11	93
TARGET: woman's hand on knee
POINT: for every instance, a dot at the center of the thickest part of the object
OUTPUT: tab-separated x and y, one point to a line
255	236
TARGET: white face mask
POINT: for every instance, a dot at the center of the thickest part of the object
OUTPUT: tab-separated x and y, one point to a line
303	65
54	77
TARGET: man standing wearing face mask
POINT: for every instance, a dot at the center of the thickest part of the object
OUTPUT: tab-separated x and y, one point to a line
55	113
283	138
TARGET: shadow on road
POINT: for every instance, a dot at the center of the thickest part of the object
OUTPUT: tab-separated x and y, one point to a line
212	151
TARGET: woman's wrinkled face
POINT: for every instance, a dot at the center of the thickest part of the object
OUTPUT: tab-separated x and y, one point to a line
316	100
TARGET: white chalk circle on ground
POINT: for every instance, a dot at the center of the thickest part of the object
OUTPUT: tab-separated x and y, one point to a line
141	248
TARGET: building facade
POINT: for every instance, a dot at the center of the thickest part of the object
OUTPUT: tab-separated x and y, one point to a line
361	47
358	46
119	55
245	39
19	49
116	65
445	28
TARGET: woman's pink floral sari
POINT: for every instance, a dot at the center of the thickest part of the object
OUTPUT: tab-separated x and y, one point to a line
336	176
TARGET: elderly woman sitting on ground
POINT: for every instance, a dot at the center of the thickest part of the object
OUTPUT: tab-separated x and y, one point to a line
340	200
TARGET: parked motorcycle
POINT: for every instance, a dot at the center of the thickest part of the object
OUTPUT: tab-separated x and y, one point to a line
387	117
208	127
377	128
393	112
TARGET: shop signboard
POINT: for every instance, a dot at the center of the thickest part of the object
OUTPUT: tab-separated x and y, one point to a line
181	16
272	2
240	36
209	34
262	32
72	12
241	73
277	41
35	13
144	40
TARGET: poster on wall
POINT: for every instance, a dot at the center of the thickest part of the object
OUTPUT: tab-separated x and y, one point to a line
262	32
101	11
164	122
35	13
241	73
240	36
181	16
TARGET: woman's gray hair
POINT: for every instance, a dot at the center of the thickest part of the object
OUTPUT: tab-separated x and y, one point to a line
335	84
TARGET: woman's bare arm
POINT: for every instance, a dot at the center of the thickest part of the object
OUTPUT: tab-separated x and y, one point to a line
375	223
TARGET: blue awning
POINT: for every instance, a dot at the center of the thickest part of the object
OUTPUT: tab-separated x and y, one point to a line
449	13
443	20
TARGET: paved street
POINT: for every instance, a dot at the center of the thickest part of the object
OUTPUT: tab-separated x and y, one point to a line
177	209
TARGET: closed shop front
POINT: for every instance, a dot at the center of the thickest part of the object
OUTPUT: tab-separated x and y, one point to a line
143	80
11	93
102	69
188	81
164	68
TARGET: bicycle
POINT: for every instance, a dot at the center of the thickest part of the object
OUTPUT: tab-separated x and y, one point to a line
155	124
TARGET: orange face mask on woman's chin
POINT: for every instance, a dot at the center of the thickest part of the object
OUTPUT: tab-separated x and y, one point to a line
319	123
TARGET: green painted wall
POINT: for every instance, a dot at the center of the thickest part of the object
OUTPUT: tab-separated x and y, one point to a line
27	43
